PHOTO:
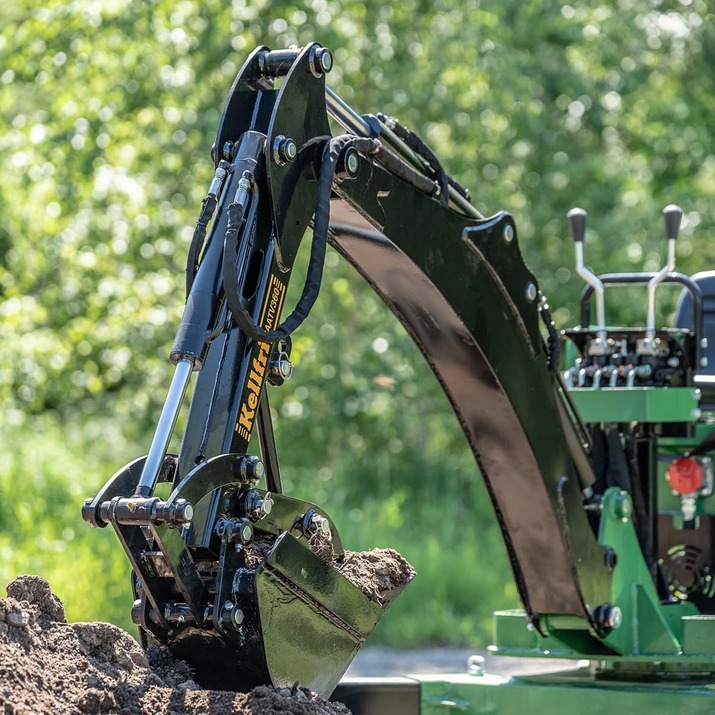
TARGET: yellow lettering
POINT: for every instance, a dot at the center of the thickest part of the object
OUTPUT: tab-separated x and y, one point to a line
254	382
259	362
246	417
271	312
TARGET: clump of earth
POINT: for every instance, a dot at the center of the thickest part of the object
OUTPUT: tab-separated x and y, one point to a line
51	667
377	573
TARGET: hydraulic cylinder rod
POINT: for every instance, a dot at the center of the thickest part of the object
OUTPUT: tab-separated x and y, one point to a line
165	427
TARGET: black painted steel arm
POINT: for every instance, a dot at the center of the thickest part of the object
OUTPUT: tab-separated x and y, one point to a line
459	285
457	282
463	293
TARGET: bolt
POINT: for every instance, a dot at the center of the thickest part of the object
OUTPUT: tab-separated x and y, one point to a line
689	506
703	343
530	292
610	558
319	523
173	514
266	505
184	512
254	506
250	469
476	665
508	233
313	523
246	533
623	506
351	163
226	613
229	150
137	612
614	617
348	164
281	368
608	617
237	617
321	61
284	150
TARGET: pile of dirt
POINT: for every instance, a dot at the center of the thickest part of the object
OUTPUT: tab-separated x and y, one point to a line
50	667
376	573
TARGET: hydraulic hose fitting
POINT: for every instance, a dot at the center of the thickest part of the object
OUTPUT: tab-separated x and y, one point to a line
217	181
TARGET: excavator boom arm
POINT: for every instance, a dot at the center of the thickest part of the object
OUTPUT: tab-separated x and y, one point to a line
457	282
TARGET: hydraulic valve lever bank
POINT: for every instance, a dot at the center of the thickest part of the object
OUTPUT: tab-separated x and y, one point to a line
593	442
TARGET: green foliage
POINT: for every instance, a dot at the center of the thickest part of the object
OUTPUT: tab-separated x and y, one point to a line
47	468
108	113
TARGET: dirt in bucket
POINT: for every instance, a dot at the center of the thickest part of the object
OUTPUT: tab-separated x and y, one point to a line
376	573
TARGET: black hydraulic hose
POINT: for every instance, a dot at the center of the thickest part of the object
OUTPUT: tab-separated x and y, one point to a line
197	240
642	523
705	446
420	148
401	168
321	223
554	339
461	190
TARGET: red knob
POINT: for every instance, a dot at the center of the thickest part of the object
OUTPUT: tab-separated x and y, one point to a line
685	475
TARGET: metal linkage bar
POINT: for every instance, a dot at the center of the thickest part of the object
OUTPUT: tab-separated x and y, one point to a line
353	122
165	427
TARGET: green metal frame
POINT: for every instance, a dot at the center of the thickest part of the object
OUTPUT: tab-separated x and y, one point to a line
637	404
577	691
675	637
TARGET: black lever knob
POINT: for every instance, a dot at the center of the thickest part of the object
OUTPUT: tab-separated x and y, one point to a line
577	222
672	215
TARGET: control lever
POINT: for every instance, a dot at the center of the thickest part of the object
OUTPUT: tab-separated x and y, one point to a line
577	223
672	216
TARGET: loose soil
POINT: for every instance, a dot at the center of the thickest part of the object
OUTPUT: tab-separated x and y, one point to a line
376	573
51	667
